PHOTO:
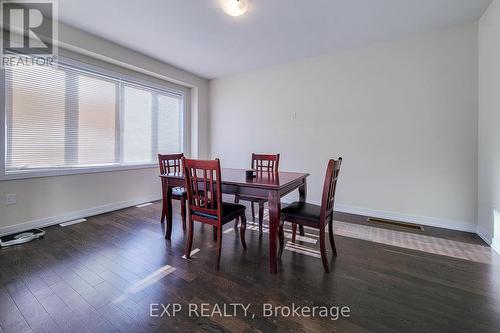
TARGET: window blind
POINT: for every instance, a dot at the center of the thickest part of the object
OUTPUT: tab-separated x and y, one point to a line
65	117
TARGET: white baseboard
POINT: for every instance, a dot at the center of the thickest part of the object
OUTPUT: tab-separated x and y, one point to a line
493	242
423	220
70	216
484	236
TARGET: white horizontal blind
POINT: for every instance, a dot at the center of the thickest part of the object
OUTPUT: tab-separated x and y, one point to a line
64	117
137	125
170	123
35	117
96	135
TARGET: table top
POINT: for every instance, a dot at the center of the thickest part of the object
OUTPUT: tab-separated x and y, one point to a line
262	180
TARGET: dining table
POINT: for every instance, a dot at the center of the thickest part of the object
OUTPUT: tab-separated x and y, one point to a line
271	186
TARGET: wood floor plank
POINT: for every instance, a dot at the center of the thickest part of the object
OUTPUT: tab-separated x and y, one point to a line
91	296
33	312
106	327
82	310
104	274
62	314
119	319
11	319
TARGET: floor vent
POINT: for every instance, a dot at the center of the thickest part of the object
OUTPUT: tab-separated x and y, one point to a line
65	224
395	223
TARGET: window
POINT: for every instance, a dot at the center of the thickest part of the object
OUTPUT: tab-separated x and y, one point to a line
35	117
96	121
137	125
60	118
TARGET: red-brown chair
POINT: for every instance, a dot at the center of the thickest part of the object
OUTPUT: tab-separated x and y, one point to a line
261	163
205	205
171	163
314	216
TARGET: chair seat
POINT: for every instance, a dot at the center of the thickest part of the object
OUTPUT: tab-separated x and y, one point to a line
302	211
229	210
178	191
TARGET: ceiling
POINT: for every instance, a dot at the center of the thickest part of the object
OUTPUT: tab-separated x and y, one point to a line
196	35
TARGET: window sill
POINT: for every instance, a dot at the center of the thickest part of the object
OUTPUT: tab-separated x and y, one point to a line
25	174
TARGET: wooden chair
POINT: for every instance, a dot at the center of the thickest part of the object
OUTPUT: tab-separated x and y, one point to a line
204	192
314	216
261	163
170	164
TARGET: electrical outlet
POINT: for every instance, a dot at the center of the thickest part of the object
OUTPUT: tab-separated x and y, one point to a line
11	199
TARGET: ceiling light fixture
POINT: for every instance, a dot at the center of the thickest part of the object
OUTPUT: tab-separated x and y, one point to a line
235	7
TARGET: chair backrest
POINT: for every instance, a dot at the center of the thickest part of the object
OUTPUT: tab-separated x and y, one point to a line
204	188
329	187
170	163
265	163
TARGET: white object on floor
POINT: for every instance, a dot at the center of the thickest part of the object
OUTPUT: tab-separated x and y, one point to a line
144	204
21	238
65	224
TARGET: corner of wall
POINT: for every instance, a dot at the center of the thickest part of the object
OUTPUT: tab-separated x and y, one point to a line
495	244
485	236
488	157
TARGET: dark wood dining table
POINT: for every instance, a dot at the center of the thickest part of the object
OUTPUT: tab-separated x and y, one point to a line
266	185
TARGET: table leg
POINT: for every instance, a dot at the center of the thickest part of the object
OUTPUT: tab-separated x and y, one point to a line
168	212
274	221
302	198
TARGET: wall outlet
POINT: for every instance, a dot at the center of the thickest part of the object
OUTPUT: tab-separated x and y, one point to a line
11	199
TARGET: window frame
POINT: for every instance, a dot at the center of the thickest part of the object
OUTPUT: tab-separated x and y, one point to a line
96	71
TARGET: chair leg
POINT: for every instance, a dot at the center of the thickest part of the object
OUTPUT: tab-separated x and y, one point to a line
163	214
243	228
322	247
330	233
189	243
219	245
168	229
183	213
236	200
163	202
281	238
253	211
294	232
215	233
261	215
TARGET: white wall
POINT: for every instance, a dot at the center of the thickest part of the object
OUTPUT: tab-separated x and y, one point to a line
489	122
43	201
402	114
50	200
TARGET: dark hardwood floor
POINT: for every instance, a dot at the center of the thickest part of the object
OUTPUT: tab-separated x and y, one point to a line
104	274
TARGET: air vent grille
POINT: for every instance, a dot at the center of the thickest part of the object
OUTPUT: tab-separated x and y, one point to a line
395	223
